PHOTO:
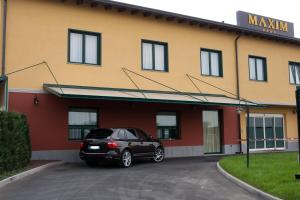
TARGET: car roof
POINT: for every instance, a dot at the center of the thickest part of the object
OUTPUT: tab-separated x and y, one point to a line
113	128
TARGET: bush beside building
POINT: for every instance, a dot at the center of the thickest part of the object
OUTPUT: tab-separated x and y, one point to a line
15	148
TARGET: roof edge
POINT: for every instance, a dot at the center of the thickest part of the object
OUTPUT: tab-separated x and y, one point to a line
181	18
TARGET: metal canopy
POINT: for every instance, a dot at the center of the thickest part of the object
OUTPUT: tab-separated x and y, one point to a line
82	92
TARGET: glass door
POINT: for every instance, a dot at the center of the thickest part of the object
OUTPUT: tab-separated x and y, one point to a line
259	132
266	131
270	132
279	133
211	132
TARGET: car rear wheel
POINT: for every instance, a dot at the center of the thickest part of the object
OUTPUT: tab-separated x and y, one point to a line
159	155
126	159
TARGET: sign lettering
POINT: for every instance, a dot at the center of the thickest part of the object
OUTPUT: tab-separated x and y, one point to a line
265	24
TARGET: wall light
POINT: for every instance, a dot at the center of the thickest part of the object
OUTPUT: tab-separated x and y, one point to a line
239	109
36	101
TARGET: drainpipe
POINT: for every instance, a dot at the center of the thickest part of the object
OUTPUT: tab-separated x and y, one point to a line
236	45
4	53
238	88
4	36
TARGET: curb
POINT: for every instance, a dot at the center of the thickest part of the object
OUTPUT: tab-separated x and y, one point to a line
246	186
24	174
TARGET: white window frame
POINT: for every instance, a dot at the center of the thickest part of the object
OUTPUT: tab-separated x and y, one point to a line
264	116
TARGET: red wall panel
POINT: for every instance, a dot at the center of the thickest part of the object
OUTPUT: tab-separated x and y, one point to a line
230	125
49	119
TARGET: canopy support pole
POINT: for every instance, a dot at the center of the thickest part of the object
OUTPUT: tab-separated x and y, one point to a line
298	120
247	134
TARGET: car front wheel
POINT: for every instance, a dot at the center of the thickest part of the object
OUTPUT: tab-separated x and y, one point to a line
159	155
126	159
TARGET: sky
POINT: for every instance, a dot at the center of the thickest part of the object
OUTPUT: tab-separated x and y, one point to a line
225	10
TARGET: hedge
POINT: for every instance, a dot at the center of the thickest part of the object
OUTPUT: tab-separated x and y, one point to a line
15	148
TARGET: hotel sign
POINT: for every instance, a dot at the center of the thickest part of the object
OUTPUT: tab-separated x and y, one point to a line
265	24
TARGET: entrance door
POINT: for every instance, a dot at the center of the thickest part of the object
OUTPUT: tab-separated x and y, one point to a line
211	131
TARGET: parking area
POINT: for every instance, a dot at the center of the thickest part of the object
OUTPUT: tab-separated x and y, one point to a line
184	178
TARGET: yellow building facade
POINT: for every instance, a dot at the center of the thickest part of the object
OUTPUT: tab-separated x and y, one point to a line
39	34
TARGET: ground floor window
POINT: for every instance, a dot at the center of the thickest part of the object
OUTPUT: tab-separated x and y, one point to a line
167	125
266	131
81	121
2	95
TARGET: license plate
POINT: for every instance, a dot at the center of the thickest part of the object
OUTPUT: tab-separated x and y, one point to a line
94	147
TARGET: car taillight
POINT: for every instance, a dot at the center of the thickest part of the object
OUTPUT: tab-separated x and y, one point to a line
81	145
112	145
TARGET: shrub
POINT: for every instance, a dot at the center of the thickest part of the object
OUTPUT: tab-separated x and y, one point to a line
15	148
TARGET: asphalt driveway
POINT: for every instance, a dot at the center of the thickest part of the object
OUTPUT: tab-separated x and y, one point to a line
186	178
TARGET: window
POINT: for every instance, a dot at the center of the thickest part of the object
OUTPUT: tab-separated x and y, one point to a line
166	123
211	62
127	134
257	68
84	47
142	135
81	121
99	134
294	69
130	134
121	135
154	55
266	131
3	99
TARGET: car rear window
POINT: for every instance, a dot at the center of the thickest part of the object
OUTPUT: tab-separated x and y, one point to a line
99	134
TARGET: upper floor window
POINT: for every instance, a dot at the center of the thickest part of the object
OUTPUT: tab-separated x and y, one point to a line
154	55
211	62
294	69
257	68
84	47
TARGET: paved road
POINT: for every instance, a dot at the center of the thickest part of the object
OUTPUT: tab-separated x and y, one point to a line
188	178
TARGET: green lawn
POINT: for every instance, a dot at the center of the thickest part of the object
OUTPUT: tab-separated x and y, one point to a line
273	173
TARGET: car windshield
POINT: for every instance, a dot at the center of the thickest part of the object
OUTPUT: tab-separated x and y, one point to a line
99	133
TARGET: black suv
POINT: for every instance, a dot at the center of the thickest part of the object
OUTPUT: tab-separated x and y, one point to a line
120	144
